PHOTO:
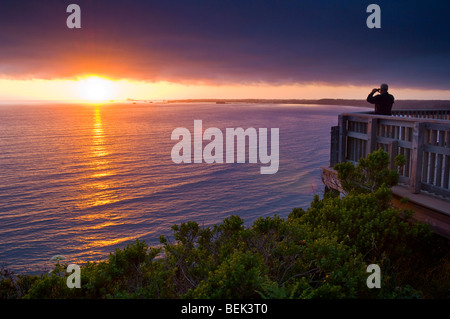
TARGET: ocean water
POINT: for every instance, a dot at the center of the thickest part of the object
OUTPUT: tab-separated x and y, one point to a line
81	180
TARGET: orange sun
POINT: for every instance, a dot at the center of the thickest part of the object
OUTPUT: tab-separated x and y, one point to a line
95	88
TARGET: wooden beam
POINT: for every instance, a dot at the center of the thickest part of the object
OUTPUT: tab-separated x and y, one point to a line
357	135
428	209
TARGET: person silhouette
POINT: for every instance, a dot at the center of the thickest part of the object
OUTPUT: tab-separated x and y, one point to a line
383	101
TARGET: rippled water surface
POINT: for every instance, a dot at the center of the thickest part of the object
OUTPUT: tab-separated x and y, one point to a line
82	180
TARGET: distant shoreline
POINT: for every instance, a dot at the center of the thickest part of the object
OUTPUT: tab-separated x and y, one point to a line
399	104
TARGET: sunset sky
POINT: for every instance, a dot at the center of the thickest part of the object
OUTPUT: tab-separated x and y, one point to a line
170	49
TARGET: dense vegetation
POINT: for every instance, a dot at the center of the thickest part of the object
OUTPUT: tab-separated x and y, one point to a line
321	252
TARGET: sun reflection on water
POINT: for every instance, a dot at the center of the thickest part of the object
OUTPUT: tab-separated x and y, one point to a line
99	190
100	163
98	139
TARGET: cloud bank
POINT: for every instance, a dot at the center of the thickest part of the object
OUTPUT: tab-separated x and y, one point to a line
229	42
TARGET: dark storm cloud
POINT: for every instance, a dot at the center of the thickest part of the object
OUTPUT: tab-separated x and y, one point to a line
226	41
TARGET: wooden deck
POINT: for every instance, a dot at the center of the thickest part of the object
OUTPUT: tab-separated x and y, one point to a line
423	137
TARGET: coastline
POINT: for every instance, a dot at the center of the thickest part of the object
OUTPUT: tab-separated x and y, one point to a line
399	104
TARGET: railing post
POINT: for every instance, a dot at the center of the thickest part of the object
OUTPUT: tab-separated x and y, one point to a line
417	157
334	152
342	138
372	126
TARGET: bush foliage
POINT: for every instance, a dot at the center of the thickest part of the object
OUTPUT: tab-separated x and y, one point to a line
321	252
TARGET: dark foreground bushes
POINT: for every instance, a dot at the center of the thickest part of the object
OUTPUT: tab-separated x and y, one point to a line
321	252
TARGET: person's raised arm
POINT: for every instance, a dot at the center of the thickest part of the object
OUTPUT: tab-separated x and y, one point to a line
370	98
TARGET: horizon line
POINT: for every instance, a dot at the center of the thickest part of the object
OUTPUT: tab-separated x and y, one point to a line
209	100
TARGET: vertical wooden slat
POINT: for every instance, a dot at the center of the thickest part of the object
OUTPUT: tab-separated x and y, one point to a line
360	154
402	152
372	128
334	147
440	157
408	163
447	162
417	156
403	134
362	147
432	172
357	129
393	152
426	158
342	137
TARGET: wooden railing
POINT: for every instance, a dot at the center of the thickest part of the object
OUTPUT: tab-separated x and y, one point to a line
423	137
428	114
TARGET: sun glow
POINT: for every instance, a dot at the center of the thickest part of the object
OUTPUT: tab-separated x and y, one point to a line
95	88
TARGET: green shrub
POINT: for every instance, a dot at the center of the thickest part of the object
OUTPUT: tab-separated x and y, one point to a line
320	252
369	174
239	276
